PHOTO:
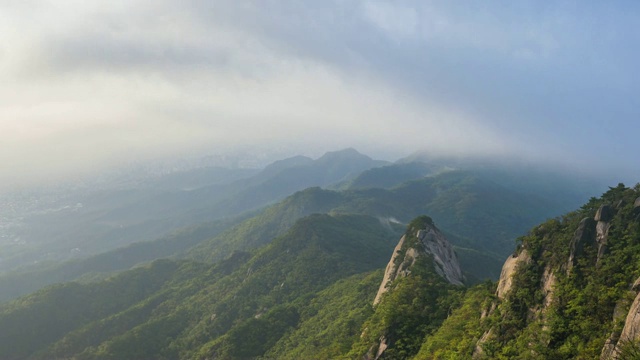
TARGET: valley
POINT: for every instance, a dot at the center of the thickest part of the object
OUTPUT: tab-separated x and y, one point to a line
268	282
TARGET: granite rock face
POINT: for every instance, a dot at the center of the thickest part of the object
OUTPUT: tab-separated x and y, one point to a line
430	242
604	213
584	236
391	272
631	331
508	269
445	258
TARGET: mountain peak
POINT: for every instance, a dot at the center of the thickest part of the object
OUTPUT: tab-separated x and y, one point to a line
348	153
421	239
287	163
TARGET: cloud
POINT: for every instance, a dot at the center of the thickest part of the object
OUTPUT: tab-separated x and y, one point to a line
395	19
90	83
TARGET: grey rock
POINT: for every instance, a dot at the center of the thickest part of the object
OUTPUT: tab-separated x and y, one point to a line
584	236
446	260
434	244
508	269
602	237
630	332
604	213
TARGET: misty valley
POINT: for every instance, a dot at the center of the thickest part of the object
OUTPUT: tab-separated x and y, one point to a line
342	256
319	180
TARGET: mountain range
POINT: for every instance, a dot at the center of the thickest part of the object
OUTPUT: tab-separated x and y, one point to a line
296	269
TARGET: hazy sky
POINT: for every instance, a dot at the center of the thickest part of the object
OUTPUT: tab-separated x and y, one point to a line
88	83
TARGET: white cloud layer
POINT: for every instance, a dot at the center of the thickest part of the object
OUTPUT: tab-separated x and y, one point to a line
86	84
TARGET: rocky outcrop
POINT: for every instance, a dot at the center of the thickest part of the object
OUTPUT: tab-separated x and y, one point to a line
604	213
630	333
391	272
636	203
421	241
548	283
505	284
602	234
431	242
603	217
584	236
478	352
508	269
445	258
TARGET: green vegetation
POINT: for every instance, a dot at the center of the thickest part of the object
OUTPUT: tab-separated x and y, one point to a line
298	280
389	176
238	308
479	217
33	322
459	333
105	264
414	306
333	320
587	292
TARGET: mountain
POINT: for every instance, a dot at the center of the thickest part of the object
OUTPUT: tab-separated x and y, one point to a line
278	181
237	308
570	291
77	222
417	281
481	210
392	175
567	189
480	217
269	303
320	289
18	283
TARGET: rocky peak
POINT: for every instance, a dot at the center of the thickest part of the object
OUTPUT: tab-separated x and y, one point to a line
422	239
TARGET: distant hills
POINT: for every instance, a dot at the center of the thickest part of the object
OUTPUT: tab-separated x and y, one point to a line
292	270
568	292
482	210
80	223
186	309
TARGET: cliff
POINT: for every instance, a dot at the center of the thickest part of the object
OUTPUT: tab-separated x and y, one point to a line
571	288
423	271
425	241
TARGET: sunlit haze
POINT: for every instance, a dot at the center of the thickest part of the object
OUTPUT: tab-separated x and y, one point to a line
88	84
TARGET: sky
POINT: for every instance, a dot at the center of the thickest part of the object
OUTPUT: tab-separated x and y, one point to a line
90	84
